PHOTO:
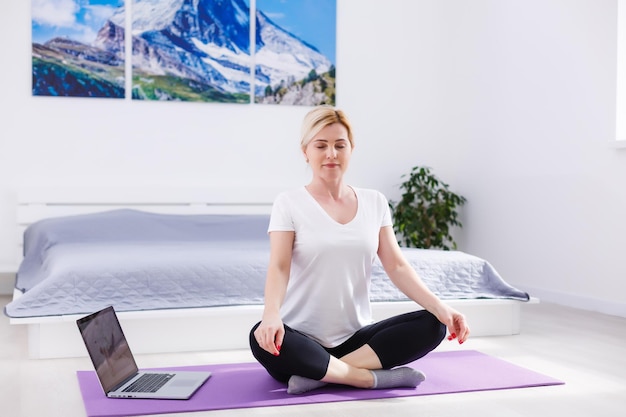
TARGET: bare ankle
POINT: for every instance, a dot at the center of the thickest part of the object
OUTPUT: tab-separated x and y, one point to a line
369	380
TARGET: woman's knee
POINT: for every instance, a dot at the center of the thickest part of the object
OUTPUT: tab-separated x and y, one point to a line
438	329
254	345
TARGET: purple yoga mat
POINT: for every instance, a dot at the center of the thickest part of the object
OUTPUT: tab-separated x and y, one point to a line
247	385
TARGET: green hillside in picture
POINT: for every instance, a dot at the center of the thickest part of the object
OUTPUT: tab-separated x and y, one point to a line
164	87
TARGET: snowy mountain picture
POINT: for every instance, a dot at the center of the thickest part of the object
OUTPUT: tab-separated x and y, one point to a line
295	52
192	50
187	50
72	54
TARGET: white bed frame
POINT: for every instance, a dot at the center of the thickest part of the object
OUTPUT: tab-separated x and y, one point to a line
192	329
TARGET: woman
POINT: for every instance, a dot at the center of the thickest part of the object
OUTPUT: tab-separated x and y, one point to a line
316	326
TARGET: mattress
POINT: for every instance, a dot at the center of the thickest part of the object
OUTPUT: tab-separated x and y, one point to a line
135	260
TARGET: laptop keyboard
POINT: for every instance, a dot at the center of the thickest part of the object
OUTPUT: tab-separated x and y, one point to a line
148	383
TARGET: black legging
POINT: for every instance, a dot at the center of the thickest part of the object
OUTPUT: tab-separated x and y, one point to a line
396	341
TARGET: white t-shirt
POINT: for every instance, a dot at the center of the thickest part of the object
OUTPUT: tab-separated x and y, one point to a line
328	292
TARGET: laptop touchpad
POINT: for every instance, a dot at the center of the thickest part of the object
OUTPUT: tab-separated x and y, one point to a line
183	382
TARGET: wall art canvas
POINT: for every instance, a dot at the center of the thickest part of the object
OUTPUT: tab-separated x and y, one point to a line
186	50
191	50
295	52
78	48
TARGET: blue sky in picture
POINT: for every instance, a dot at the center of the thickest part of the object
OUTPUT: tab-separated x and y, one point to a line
76	19
313	21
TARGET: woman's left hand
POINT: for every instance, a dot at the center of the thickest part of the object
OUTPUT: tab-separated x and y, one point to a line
456	324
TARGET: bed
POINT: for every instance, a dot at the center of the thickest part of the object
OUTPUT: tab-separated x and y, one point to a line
190	265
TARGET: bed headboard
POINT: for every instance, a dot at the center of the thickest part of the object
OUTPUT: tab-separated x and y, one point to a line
34	204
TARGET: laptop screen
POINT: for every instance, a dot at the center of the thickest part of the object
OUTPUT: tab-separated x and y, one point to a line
107	347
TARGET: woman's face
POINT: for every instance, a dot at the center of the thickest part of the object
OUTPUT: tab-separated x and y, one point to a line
329	152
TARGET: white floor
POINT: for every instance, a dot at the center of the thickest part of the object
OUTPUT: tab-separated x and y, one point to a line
586	350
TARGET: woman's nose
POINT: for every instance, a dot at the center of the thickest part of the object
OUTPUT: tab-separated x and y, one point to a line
332	153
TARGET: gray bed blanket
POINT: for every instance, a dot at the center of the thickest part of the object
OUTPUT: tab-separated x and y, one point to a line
136	260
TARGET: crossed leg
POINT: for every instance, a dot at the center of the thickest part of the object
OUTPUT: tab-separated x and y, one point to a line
360	369
306	365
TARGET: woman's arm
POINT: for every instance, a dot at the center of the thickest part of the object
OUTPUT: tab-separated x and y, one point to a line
406	279
271	331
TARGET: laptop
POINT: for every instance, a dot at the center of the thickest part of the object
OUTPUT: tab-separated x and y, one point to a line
116	367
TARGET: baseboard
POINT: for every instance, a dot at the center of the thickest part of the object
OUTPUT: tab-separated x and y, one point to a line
612	308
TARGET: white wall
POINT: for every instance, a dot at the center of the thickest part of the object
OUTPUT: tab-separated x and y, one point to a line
512	102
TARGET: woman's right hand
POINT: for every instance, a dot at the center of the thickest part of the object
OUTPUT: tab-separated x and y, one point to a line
270	333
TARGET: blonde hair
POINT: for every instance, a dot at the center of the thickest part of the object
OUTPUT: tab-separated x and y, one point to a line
320	117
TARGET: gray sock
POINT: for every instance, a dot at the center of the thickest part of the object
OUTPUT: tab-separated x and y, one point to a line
397	378
299	384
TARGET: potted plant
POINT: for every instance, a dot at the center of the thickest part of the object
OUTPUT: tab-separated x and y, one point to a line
426	212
